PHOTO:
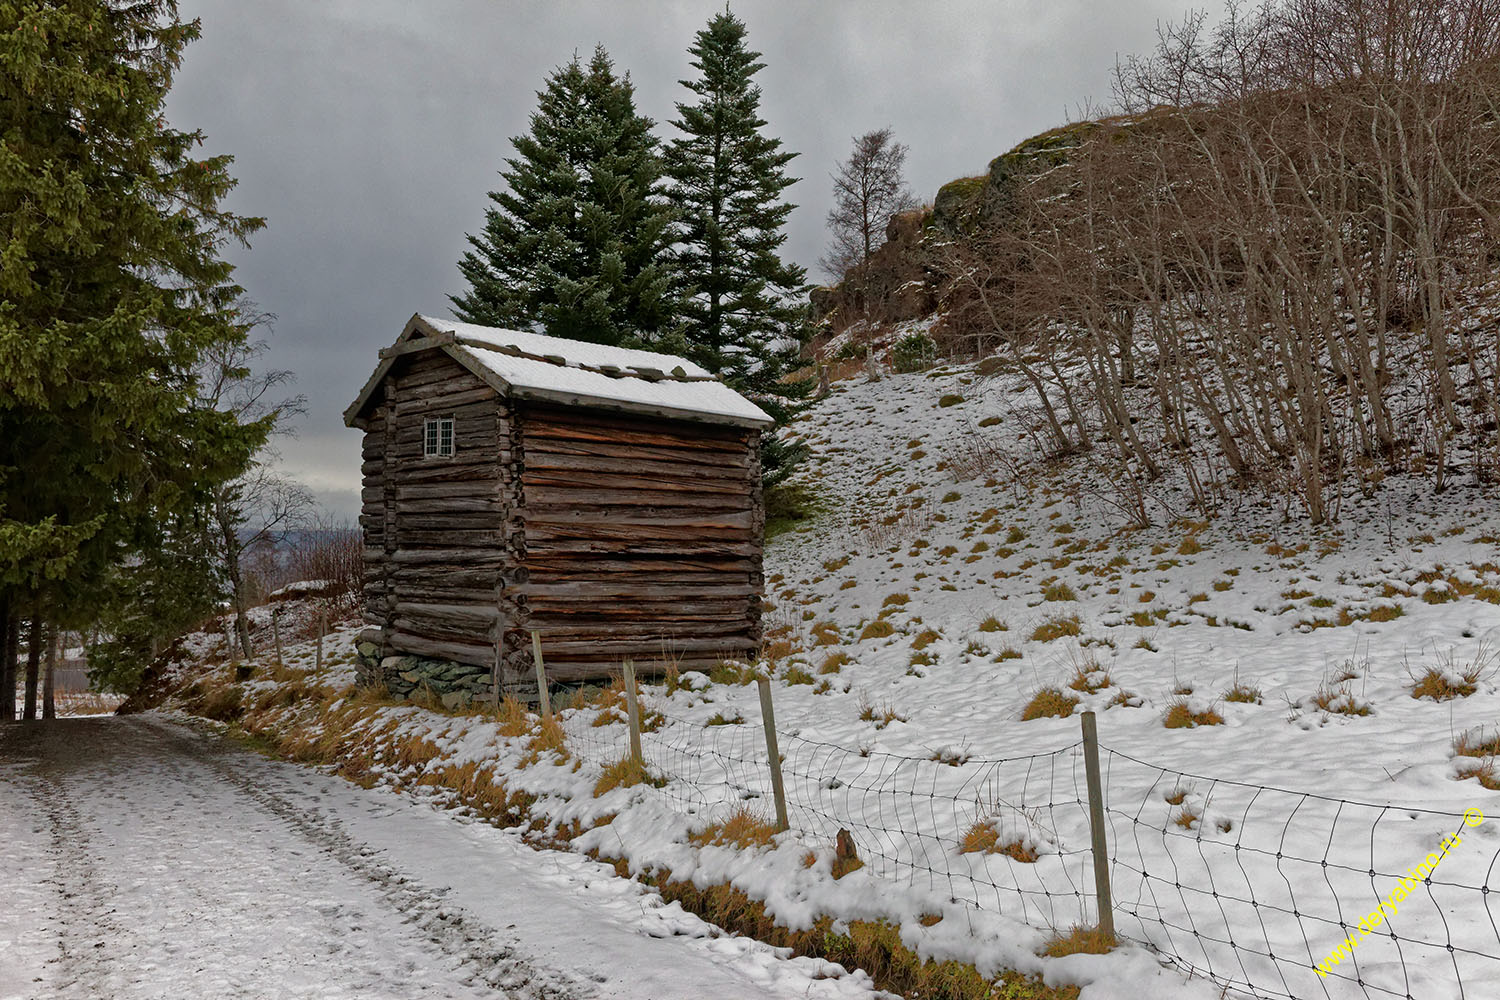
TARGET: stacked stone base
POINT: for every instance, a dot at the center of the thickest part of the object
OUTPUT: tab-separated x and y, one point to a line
454	685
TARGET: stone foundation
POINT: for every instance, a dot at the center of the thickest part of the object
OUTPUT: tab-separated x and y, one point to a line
455	685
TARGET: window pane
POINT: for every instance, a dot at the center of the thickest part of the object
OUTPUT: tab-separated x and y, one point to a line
429	437
445	428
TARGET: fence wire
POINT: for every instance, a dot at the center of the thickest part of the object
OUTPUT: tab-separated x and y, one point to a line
1249	886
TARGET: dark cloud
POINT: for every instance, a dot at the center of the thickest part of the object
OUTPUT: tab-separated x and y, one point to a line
368	131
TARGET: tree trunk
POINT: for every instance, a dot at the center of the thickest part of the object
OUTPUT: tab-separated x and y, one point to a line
49	705
7	666
33	666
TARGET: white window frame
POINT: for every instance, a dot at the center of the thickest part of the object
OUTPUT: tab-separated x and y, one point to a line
437	437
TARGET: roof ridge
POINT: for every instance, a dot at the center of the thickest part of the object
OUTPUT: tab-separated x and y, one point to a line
677	374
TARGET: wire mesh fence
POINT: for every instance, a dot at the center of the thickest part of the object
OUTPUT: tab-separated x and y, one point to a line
1266	892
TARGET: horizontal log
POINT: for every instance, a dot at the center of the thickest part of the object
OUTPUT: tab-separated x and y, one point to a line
625	588
442	630
575	480
485	488
539	548
476	653
415	536
483	467
542	495
466	558
474	614
690	535
607	464
445	395
487	509
557	421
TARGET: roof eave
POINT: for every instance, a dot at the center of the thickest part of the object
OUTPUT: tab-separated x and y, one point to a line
562	398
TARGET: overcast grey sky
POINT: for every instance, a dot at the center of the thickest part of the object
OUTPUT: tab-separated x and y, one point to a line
367	132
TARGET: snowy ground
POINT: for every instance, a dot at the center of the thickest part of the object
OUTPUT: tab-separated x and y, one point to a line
169	863
952	575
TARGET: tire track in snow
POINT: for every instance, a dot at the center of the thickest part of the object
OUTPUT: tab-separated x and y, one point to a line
461	937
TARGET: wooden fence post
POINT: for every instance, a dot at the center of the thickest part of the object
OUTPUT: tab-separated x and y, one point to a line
322	627
495	671
276	634
768	716
1096	824
544	703
633	710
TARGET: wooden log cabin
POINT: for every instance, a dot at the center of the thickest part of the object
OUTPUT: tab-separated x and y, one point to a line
609	499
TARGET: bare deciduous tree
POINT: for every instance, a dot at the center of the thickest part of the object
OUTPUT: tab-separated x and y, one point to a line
868	189
1266	261
261	506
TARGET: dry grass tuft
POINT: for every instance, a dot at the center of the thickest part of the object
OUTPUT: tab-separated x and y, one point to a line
1243	694
878	629
1089	678
882	715
1080	941
1049	702
1338	701
984	838
1058	591
625	773
743	830
1474	743
1057	628
1439	685
834	662
548	738
1180	715
512	718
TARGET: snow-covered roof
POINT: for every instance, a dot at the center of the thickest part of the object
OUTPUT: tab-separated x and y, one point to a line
572	372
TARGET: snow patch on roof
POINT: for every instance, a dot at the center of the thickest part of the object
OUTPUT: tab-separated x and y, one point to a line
573	371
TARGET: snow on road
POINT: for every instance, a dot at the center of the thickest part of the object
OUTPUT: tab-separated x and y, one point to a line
163	862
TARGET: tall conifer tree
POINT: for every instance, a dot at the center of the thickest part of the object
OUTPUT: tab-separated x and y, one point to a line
574	244
112	289
728	184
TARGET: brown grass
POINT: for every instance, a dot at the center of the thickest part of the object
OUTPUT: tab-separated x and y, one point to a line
984	838
1338	701
1089	678
1439	685
743	830
1474	743
1079	940
625	773
873	946
1057	628
512	718
1180	715
548	738
1243	694
1049	702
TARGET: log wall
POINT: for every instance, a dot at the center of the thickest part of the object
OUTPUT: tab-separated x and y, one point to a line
434	528
613	536
637	538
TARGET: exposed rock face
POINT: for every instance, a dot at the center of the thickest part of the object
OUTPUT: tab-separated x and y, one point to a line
901	281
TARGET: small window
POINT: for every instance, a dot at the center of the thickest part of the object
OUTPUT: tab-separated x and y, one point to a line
437	438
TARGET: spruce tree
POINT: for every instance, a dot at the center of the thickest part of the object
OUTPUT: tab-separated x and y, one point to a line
573	246
728	181
112	289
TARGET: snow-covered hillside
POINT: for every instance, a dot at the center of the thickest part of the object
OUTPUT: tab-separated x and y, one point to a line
1270	777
